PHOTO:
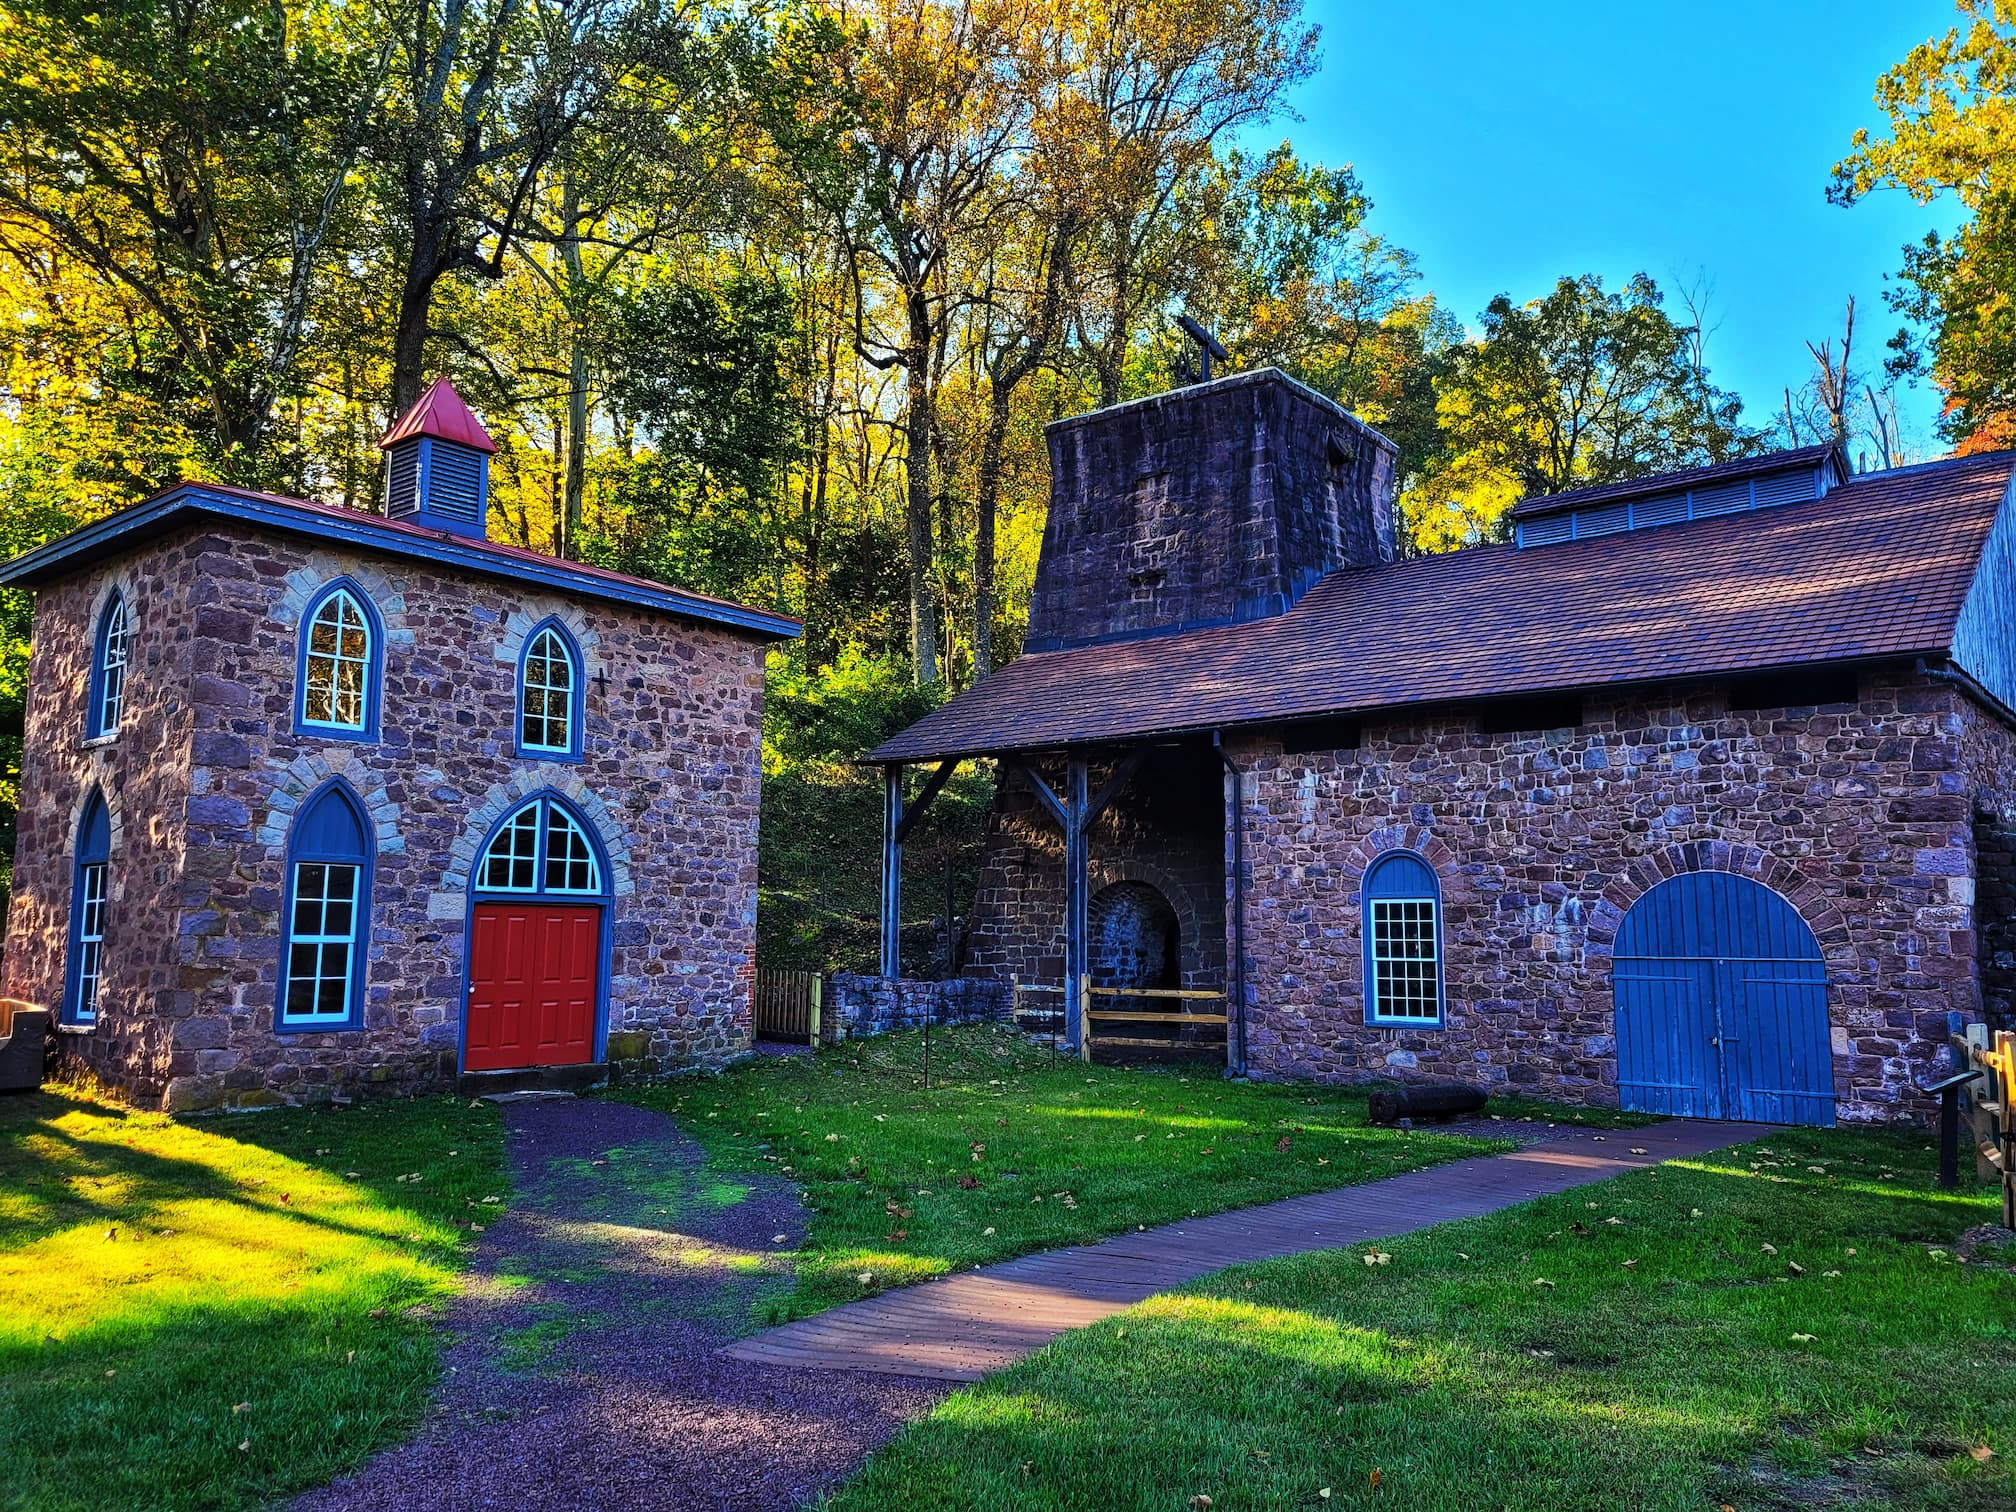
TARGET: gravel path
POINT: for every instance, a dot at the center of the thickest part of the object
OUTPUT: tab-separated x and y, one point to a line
584	1370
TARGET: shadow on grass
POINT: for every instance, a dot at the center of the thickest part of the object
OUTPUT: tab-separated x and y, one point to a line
215	1312
1781	1336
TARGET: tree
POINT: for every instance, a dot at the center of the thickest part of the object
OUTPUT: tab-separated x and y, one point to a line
1579	388
194	159
1951	104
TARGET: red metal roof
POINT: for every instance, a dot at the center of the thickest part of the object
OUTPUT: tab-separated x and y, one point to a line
1876	569
441	412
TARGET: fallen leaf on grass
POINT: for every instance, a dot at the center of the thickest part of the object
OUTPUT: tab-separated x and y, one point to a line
238	1407
1982	1453
1542	1281
1802	1338
244	1446
1640	1150
777	1238
1282	1143
986	1232
1375	1478
1199	1502
1630	1265
1770	1249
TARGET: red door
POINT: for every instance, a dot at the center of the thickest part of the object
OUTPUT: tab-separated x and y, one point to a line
532	982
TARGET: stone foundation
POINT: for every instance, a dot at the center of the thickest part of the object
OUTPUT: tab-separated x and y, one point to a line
858	1005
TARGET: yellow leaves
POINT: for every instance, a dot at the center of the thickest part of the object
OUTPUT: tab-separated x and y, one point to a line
1981	1454
1376	1257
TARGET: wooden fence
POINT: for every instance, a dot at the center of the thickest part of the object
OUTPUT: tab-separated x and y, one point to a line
787	1005
1987	1104
1049	1009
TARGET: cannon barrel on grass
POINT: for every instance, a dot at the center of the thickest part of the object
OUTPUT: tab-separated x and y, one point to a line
1441	1100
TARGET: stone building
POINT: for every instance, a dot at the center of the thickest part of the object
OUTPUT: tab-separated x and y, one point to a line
317	802
1699	797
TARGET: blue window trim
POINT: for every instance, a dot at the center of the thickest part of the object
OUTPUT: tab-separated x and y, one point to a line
1373	1017
94	726
604	899
577	707
86	850
374	679
334	790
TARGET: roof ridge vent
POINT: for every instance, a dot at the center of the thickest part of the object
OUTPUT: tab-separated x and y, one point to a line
1700	493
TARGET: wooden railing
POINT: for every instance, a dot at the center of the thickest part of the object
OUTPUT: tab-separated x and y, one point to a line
1988	1104
1091	1015
787	1005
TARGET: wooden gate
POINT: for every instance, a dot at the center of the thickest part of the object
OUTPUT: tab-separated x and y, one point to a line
1722	1005
787	1005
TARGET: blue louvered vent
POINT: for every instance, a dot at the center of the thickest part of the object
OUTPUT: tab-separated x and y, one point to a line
402	481
1793	486
455	481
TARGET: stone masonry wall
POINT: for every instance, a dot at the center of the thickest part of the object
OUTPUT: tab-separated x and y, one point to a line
671	780
857	1005
143	774
1213	503
1166	830
1861	814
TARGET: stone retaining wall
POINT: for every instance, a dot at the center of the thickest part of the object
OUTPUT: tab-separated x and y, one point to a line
858	1005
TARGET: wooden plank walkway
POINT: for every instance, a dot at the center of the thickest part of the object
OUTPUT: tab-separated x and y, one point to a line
966	1325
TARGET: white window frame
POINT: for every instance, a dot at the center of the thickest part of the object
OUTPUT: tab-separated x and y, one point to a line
544	816
322	941
335	660
113	652
1381	913
546	690
92	906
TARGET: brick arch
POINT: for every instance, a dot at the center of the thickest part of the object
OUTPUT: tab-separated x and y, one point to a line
1414	839
1826	921
523	620
1102	875
500	800
305	585
99	781
305	775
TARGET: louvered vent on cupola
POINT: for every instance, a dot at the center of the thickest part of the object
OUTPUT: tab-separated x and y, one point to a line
1701	493
437	464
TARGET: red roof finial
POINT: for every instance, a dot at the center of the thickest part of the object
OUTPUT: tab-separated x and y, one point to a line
441	413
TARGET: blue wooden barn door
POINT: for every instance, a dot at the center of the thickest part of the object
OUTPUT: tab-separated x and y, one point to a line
1722	1005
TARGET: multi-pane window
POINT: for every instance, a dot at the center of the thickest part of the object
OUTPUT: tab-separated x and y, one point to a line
336	670
90	939
322	944
90	911
328	913
570	861
511	864
541	848
546	694
1403	942
109	699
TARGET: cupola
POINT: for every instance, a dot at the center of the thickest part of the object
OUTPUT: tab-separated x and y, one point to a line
437	464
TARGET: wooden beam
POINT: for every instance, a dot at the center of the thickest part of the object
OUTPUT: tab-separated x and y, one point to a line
914	811
892	871
1044	795
1077	897
1122	775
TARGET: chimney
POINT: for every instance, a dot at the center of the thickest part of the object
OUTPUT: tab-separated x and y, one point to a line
1211	504
437	465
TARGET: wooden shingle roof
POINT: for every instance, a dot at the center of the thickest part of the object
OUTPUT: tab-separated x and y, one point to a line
1875	570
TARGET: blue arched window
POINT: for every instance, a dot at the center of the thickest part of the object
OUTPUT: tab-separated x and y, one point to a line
550	694
108	669
90	903
327	919
542	847
341	665
1403	941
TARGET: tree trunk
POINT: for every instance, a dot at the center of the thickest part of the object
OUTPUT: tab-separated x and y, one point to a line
986	498
409	337
917	428
577	372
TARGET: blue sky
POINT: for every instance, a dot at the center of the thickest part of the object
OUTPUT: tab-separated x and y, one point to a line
1507	144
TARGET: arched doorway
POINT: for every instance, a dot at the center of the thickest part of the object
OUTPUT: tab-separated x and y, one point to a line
1722	1005
538	942
1134	937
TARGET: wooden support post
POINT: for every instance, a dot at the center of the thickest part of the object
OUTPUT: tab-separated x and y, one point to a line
812	1030
892	871
1077	917
1085	1022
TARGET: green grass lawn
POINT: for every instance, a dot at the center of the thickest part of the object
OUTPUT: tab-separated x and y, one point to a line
213	1313
1012	1149
1782	1326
